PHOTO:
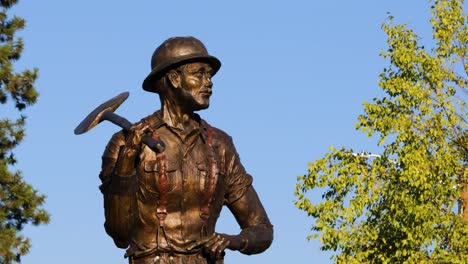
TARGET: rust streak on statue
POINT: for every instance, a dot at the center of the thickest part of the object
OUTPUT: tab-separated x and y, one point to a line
163	208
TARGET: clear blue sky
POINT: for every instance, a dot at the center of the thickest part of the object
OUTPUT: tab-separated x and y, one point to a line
293	78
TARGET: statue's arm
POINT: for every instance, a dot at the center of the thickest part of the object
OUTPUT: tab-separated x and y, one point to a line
118	165
242	200
117	181
257	231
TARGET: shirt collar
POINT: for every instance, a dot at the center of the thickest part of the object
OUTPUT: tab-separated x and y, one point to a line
157	122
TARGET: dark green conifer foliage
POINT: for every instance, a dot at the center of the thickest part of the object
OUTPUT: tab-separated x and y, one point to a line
20	204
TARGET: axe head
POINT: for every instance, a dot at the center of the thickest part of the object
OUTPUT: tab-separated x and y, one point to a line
95	117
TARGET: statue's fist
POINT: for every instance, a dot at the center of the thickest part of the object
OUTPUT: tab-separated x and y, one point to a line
215	244
135	134
125	165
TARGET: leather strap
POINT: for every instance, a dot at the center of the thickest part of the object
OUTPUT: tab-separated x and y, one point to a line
210	185
161	210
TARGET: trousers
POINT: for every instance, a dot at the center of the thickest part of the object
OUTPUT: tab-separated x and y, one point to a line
173	258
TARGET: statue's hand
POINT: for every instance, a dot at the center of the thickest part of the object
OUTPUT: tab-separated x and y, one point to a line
215	244
126	162
135	134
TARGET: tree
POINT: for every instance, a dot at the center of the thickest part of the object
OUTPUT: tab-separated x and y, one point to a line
401	206
19	202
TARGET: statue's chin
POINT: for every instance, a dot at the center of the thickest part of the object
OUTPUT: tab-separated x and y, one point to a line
201	107
202	104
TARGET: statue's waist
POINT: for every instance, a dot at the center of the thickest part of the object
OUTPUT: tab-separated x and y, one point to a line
178	228
139	250
172	258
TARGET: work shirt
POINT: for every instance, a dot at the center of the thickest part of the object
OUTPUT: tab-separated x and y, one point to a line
201	161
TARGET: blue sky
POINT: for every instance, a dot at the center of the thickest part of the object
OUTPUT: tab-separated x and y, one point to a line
293	78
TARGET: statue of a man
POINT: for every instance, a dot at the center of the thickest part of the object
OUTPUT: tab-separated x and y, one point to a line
163	207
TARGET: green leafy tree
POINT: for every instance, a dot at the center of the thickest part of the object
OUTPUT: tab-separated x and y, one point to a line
407	204
19	202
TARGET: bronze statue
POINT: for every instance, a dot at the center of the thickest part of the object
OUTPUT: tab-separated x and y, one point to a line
162	198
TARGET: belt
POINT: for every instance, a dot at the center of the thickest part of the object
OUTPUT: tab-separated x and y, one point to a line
136	253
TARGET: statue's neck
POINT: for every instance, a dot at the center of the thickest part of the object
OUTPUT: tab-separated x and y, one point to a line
177	115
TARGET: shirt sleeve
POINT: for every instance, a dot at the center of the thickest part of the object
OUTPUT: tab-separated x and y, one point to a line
243	201
109	159
115	189
257	231
237	180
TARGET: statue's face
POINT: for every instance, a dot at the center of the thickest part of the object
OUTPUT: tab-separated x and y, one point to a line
195	84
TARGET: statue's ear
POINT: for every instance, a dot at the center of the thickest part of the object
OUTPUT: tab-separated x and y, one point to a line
174	78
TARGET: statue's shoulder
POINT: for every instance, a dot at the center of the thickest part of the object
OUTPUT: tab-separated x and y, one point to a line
220	137
115	142
154	120
118	138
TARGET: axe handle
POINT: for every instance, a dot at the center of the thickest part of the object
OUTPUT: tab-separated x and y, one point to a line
116	119
155	145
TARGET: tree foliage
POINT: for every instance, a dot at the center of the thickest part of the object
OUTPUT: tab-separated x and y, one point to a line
402	206
19	202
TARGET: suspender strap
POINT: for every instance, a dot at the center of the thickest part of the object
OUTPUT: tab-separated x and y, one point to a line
210	185
161	210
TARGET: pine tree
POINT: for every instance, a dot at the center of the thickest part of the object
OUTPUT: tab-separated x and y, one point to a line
19	202
409	203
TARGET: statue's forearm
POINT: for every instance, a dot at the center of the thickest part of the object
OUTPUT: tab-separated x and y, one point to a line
118	167
256	239
125	165
257	231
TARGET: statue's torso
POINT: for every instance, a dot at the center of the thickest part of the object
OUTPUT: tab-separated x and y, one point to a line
202	173
188	175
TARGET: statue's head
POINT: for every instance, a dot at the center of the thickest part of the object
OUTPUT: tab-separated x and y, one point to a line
183	65
175	52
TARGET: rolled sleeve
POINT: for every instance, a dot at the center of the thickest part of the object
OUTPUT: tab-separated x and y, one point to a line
109	163
237	180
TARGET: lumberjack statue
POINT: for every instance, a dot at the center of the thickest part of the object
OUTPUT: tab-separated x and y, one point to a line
162	198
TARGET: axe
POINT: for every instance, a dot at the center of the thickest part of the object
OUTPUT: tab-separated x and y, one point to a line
106	112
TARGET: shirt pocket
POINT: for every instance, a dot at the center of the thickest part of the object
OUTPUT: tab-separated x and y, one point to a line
152	175
202	175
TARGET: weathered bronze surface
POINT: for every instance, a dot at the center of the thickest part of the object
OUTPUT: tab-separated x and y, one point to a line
98	114
163	206
105	111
